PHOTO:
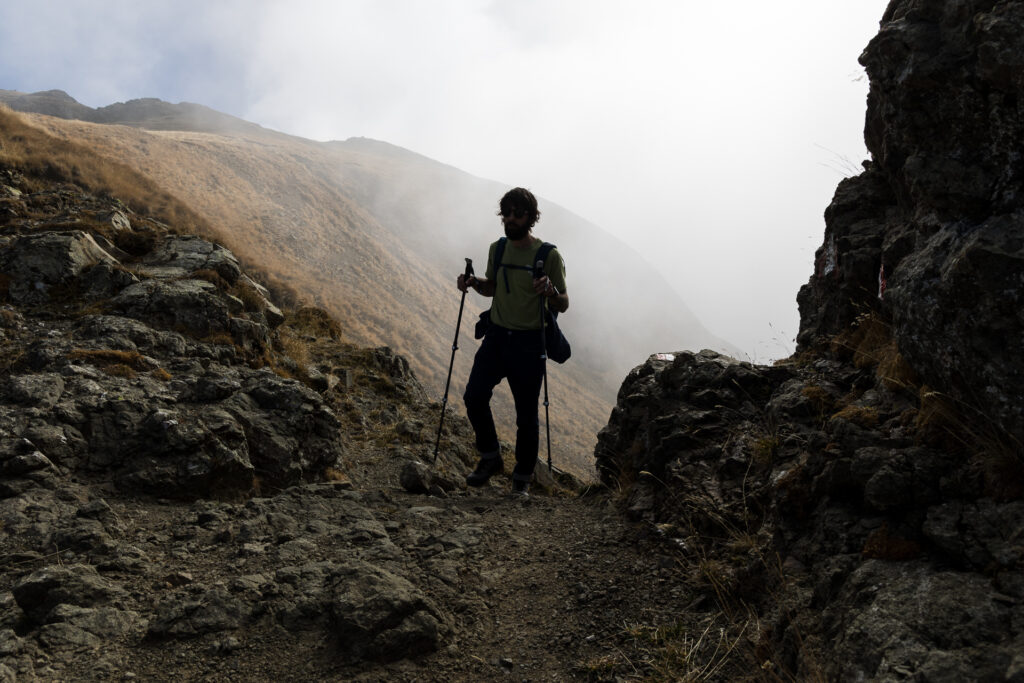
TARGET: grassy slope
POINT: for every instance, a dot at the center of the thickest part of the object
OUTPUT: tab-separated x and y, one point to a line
376	235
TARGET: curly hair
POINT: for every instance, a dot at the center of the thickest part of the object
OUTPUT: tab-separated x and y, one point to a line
520	199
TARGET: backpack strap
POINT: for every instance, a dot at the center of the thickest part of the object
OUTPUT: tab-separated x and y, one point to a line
499	252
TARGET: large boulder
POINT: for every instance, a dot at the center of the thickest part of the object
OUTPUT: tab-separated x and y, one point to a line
185	254
192	305
36	264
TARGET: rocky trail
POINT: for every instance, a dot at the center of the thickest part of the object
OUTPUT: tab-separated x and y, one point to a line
198	486
546	590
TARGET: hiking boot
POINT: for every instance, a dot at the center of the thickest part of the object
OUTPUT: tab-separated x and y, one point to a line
485	469
520	489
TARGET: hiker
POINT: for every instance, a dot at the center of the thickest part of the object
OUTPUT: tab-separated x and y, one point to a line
512	346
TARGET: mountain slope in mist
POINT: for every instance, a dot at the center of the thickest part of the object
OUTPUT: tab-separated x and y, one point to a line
376	235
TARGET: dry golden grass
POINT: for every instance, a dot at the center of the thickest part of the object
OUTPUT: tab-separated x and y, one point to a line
120	370
294	346
295	217
46	157
211	276
337	476
219	338
316	322
161	374
130	359
863	416
249	295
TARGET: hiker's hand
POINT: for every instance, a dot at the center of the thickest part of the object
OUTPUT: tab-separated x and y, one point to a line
464	283
543	286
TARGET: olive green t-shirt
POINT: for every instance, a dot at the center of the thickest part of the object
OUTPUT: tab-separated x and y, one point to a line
518	307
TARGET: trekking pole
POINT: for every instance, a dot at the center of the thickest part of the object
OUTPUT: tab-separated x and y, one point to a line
455	346
539	270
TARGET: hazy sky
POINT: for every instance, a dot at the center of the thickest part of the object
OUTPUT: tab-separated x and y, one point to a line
708	135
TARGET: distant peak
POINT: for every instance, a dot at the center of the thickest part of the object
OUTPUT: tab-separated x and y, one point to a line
56	94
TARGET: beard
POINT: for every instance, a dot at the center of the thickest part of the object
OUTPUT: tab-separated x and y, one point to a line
515	232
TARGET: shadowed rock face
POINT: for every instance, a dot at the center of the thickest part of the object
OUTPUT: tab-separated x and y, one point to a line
939	207
139	369
851	495
802	492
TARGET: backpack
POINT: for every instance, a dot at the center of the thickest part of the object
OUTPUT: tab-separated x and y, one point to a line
558	348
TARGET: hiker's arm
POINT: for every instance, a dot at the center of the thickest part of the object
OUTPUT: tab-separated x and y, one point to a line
482	286
557	301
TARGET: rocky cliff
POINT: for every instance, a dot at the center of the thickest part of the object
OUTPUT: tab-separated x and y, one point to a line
862	501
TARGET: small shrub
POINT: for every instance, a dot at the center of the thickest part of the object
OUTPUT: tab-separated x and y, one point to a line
863	342
161	374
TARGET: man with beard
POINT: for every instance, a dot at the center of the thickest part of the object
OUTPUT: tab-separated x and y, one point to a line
513	348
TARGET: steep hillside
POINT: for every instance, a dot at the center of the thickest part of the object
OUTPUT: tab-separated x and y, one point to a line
376	234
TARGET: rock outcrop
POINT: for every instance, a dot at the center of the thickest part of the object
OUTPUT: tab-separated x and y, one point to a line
804	492
863	499
931	235
158	413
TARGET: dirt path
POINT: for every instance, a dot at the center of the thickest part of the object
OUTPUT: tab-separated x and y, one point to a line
551	589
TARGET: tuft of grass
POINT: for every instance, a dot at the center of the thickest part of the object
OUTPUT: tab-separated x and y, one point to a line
211	276
294	346
821	400
219	338
765	448
108	357
315	322
997	455
120	370
249	295
863	416
161	374
337	476
675	652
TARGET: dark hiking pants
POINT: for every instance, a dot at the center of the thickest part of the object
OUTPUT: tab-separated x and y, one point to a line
514	355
